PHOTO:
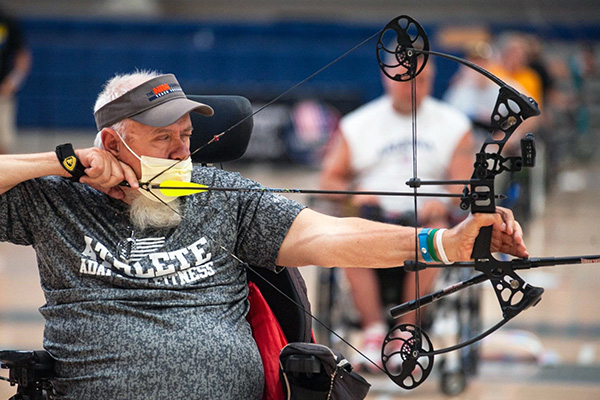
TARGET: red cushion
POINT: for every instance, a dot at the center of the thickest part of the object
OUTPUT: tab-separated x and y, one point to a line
269	338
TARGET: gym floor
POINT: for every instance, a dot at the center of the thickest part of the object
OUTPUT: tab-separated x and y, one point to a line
552	351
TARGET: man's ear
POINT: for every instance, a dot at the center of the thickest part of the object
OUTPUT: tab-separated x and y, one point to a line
110	141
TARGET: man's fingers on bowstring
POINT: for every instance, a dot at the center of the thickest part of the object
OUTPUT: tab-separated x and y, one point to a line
96	164
104	170
107	171
130	175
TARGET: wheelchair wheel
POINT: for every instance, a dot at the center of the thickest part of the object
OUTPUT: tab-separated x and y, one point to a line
457	319
453	383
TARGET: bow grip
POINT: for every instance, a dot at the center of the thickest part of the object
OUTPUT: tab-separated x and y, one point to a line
481	247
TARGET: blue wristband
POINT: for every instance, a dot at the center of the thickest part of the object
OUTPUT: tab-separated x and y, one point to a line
423	245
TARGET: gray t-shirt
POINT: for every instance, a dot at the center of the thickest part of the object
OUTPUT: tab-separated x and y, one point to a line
158	314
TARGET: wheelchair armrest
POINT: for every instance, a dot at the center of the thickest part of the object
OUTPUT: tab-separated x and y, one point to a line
26	367
40	359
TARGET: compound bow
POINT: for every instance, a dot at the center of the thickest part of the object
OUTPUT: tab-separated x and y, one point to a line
408	345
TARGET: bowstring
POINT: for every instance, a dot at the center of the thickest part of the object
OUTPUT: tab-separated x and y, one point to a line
216	137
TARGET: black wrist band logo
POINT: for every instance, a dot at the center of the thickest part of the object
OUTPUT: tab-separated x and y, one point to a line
69	163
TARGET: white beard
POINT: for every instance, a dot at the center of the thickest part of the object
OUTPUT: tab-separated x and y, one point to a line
145	213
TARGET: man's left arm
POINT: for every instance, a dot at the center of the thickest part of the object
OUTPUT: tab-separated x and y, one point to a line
318	239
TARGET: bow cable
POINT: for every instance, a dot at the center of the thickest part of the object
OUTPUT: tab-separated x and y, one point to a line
413	101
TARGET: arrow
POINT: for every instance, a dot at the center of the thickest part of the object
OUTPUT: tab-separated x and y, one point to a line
177	188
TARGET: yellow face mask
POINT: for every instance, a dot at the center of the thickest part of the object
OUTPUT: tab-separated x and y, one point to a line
157	170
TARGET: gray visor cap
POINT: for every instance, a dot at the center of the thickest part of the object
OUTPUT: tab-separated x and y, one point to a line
157	102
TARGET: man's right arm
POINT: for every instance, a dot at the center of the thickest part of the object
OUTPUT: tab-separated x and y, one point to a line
17	168
103	170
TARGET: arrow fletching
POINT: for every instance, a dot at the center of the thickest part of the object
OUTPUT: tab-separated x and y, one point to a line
178	188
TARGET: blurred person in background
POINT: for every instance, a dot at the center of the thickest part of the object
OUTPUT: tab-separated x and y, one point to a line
373	151
583	69
471	92
15	63
546	130
512	64
476	95
537	62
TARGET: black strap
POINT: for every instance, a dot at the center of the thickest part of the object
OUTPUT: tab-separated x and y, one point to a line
69	161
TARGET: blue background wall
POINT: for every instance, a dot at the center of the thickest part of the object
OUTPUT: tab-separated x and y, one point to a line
73	58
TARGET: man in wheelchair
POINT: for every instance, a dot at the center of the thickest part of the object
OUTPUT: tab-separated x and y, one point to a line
146	294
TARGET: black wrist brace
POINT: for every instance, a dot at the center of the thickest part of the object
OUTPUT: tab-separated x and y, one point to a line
69	161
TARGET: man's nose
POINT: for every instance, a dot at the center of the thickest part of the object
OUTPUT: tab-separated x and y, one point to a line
181	150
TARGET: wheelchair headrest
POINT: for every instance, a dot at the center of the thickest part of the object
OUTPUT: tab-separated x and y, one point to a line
229	110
